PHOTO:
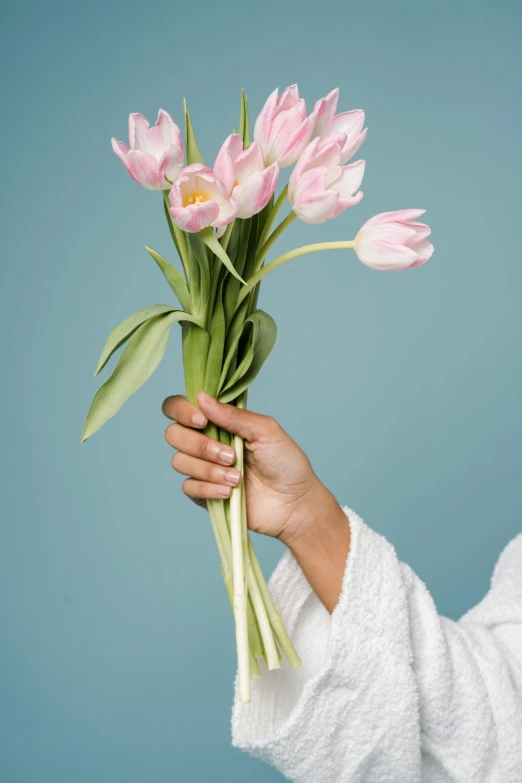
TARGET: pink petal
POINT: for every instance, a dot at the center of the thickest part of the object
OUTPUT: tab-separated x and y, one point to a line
227	212
249	162
195	217
311	202
350	179
255	192
351	146
145	138
421	231
296	142
425	251
141	166
225	159
382	255
170	133
401	215
324	110
263	124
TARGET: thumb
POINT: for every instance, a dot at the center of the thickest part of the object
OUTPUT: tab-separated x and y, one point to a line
248	425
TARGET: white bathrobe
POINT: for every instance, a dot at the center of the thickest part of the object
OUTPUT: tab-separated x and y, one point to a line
389	691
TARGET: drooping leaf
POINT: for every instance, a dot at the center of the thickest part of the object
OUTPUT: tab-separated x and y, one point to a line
173	278
122	332
211	241
244	123
264	332
138	361
192	148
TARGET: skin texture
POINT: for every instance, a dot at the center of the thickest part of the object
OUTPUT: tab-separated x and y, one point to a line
285	498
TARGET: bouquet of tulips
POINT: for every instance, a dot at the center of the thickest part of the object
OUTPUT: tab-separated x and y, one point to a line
223	224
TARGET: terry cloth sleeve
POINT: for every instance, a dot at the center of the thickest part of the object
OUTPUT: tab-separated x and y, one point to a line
389	691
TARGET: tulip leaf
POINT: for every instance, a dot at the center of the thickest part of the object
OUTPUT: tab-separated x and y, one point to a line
244	123
264	332
141	356
211	241
217	344
193	152
122	332
173	278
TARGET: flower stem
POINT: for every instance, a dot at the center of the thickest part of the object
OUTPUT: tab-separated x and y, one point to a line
274	236
239	576
272	216
299	251
178	237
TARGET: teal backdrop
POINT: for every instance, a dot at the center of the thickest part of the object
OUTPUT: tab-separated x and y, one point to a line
116	641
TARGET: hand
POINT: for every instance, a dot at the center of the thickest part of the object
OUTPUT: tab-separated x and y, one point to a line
283	492
285	498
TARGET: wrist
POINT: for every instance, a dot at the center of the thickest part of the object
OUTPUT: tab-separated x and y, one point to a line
317	510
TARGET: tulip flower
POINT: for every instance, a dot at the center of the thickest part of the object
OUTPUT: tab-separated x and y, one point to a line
320	188
349	123
283	129
155	155
245	176
393	241
198	199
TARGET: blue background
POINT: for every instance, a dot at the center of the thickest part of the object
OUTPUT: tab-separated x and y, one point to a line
116	640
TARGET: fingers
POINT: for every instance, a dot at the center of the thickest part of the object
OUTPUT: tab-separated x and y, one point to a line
205	471
248	425
178	408
196	444
203	490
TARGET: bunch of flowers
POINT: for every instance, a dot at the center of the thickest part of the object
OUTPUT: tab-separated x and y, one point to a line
222	220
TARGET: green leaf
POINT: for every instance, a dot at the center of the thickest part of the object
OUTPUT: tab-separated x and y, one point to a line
122	332
217	344
264	332
141	356
211	241
244	124
173	278
193	152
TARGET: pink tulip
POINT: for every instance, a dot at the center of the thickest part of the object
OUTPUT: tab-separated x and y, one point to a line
349	123
244	175
282	129
320	188
393	241
155	155
198	199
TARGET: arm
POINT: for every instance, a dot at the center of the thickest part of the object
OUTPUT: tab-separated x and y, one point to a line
388	689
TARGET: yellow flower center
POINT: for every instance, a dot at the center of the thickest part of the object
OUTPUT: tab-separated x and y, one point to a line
197	197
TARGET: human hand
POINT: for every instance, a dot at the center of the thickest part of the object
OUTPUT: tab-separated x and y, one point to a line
283	492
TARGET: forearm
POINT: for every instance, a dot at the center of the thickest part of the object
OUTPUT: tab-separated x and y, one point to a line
318	536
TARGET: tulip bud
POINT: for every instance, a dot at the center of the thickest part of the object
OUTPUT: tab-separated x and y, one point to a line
394	240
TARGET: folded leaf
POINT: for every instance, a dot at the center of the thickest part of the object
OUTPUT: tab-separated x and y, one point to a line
211	241
193	152
264	332
138	361
244	124
122	332
173	278
217	343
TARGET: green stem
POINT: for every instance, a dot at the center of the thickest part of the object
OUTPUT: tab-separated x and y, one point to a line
178	237
274	236
300	251
272	216
272	611
239	577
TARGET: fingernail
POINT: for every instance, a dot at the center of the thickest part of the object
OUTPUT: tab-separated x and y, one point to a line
199	420
227	456
224	491
206	396
233	477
